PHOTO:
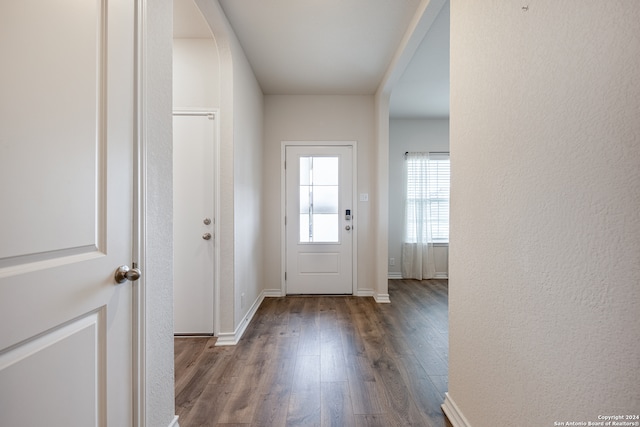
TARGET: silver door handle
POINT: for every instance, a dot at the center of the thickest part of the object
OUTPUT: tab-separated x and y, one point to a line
348	227
124	273
206	236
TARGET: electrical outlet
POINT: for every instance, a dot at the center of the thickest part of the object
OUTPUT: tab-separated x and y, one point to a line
392	261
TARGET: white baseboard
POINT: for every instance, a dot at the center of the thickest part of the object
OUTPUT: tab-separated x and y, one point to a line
443	275
364	293
452	412
232	338
174	422
394	275
379	298
226	338
382	298
272	293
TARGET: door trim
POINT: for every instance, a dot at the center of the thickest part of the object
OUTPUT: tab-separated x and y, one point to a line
354	199
139	287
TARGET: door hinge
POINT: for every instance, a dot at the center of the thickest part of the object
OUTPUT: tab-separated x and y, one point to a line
285	220
285	275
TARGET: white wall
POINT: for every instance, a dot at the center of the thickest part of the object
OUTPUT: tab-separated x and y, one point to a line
241	132
544	258
318	118
248	160
196	74
158	256
419	135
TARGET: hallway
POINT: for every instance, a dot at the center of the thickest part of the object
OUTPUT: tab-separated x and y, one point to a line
326	361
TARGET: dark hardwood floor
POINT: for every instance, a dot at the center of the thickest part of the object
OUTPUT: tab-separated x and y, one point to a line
324	361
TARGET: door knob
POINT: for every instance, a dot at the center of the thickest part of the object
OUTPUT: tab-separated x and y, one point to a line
348	227
206	236
124	273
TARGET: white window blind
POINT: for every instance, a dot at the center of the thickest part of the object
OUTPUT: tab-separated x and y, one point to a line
428	186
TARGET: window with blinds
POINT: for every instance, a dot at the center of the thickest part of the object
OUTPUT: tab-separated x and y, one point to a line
429	187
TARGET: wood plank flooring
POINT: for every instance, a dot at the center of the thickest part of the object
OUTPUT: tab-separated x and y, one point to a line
324	361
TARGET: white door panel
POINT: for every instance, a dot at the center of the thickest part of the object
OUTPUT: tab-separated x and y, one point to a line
66	187
319	235
193	202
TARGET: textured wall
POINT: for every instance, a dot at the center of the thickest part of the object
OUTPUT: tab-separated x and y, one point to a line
158	261
545	246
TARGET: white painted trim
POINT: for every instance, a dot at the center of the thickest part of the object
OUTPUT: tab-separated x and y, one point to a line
364	293
441	275
226	338
354	204
232	338
452	412
283	214
394	275
174	422
382	298
216	225
272	293
139	374
379	298
195	112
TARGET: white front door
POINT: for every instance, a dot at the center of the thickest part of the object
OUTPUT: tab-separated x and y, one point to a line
319	219
193	222
66	190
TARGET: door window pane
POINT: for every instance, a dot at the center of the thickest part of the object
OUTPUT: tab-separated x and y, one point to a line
305	170
319	199
304	228
325	228
305	195
325	199
325	170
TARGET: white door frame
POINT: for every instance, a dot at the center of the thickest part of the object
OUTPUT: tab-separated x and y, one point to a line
216	205
354	213
139	217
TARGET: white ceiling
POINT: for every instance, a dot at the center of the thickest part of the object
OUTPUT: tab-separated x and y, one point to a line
423	89
334	47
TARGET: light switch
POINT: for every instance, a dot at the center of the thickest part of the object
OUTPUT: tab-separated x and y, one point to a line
364	197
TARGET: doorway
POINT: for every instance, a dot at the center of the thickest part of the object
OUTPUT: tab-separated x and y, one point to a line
320	220
194	142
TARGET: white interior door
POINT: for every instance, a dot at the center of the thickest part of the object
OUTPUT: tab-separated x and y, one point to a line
193	227
319	220
66	190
